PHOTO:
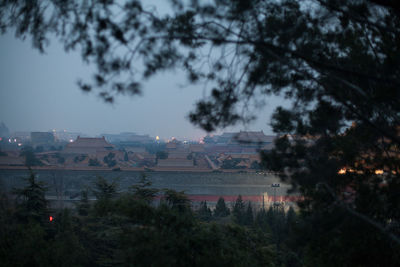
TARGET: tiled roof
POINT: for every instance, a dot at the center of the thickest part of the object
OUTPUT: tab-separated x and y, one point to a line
89	142
13	161
85	145
196	148
253	137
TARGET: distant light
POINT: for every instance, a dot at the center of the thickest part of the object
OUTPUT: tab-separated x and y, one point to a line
19	144
342	171
15	140
378	171
71	140
157	138
9	140
51	218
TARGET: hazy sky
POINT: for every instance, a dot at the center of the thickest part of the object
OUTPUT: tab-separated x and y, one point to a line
38	92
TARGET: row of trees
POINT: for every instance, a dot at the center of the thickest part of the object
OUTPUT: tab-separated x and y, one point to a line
122	229
128	229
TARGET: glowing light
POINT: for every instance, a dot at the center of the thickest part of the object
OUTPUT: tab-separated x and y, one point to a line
342	171
378	171
51	218
9	140
15	140
71	140
157	138
19	144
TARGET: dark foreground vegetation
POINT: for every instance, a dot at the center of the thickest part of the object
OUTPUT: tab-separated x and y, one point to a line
129	229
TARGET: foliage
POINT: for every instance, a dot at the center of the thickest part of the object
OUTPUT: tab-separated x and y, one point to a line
255	165
204	212
153	148
30	157
110	160
39	149
79	158
231	164
161	154
61	160
132	232
94	162
142	191
239	211
31	201
221	210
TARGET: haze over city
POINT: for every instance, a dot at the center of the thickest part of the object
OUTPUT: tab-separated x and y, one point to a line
39	93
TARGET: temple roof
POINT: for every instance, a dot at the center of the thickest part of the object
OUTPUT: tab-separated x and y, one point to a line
90	142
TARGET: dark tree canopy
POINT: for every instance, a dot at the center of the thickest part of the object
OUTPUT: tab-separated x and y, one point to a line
337	61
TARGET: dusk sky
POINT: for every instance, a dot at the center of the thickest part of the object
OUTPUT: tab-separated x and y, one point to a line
38	92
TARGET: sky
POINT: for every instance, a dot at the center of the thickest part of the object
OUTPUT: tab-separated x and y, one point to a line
38	92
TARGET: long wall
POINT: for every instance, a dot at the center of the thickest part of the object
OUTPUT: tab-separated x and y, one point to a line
68	184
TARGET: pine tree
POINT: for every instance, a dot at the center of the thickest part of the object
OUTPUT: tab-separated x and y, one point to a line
239	211
31	200
221	210
249	219
204	212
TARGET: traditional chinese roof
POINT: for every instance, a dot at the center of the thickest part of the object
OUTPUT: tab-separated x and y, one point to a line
12	161
88	145
253	137
196	148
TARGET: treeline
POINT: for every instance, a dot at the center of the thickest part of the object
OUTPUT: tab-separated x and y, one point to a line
128	229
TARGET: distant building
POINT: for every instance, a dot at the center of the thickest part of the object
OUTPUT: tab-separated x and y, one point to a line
22	136
242	138
196	148
65	135
225	138
4	132
11	158
88	145
173	144
42	138
129	139
255	138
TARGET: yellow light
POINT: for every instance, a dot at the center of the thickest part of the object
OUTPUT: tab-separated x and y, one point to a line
378	171
342	171
157	138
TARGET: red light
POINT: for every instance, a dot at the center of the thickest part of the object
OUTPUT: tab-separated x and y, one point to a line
51	218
